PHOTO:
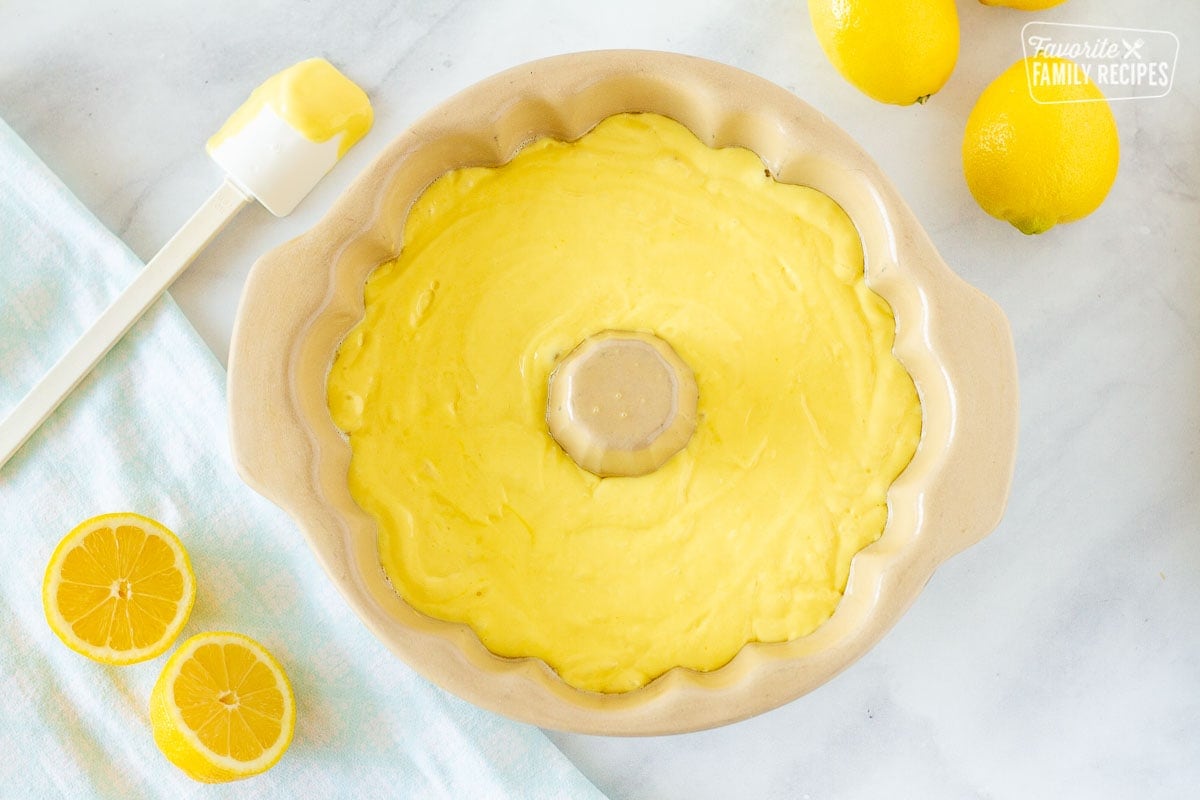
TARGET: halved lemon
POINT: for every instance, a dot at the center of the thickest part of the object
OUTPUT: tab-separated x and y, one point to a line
222	708
119	588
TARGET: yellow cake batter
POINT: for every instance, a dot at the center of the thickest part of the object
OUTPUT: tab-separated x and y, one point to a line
311	96
804	418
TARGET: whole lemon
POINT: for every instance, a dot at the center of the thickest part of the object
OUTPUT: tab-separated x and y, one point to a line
1024	5
1036	164
895	51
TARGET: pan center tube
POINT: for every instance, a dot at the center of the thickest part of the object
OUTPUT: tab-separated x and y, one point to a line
622	403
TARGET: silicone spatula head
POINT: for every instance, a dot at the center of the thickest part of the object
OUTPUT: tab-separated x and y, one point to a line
291	131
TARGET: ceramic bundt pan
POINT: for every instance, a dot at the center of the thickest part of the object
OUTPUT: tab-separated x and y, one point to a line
302	298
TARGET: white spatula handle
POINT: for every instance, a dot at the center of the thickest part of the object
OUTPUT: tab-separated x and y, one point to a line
119	317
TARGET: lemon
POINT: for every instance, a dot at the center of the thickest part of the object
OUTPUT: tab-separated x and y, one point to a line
1024	5
1036	164
895	51
222	708
118	588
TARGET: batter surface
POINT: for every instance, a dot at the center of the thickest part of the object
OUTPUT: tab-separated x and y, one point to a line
804	419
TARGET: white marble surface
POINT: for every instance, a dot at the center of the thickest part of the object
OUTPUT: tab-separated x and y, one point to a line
1060	657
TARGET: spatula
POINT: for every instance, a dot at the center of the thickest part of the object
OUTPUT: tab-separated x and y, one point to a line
274	149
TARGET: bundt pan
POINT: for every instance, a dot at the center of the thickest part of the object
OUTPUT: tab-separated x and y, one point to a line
302	298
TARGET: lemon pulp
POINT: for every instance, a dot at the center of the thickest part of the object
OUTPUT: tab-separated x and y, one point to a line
805	417
118	588
222	708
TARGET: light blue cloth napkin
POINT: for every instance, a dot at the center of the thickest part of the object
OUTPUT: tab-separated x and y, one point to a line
146	432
